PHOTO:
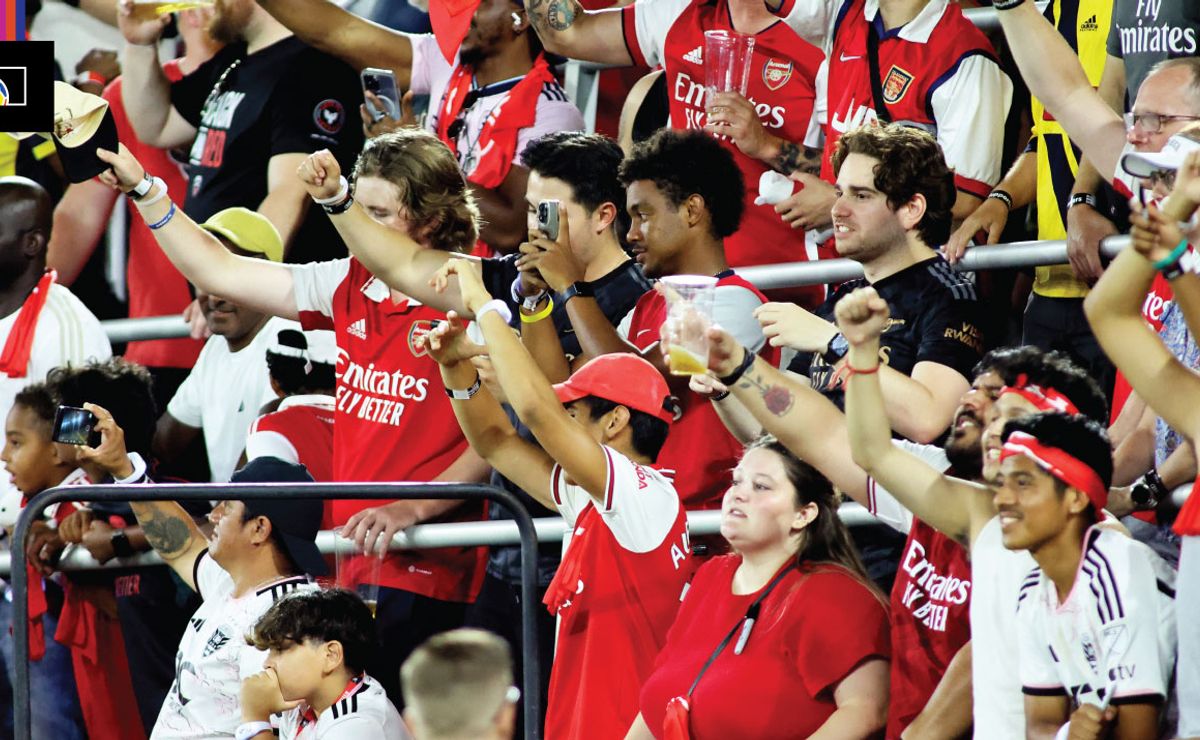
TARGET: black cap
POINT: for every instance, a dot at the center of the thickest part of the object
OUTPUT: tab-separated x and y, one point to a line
80	163
295	520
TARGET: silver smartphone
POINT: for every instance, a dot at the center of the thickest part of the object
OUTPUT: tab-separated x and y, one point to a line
547	218
382	84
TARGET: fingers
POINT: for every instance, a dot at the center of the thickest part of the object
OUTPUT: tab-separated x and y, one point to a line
706	385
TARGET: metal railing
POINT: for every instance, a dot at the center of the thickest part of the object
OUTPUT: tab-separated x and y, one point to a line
766	277
203	492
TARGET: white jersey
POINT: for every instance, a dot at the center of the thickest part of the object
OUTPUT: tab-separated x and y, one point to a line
223	394
213	657
362	711
996	577
883	505
1114	631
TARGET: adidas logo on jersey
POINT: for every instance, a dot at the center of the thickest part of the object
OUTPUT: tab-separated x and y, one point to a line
695	56
358	329
1090	24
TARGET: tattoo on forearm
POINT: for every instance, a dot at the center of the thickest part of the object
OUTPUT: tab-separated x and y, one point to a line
795	158
778	399
169	535
560	14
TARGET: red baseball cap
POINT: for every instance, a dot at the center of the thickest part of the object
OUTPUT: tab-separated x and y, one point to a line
621	378
450	20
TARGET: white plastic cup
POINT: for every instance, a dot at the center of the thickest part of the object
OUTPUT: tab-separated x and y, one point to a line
690	300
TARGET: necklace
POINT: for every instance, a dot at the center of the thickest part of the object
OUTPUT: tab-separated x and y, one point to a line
215	92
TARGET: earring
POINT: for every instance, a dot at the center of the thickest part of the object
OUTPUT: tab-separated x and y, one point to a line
516	22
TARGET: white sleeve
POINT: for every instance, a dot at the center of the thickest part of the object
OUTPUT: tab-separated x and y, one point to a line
733	310
883	505
970	109
426	60
652	19
270	444
314	284
353	727
639	504
552	116
814	138
1140	647
212	581
187	405
1039	675
626	323
812	20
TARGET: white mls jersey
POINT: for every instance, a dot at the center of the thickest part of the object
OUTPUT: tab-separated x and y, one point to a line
1115	632
362	711
213	657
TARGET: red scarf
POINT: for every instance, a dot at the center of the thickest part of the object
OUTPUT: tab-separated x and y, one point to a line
497	142
565	584
14	360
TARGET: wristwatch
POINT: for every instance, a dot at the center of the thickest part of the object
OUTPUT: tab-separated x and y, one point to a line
139	191
120	544
836	349
1148	491
580	288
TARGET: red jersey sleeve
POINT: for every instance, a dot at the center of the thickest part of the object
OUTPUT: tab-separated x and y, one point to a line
843	623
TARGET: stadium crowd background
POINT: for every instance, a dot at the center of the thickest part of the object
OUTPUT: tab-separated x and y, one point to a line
371	298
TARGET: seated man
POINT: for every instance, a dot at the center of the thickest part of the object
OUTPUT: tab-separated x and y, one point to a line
459	684
628	557
317	644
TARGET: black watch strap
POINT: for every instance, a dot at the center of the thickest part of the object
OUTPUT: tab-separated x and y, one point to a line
120	544
580	288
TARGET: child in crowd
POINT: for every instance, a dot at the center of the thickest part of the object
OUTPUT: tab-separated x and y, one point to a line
459	684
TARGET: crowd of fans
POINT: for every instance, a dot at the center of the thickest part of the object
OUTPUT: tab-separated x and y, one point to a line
376	294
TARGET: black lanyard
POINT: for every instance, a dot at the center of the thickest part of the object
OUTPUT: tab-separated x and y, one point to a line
743	625
881	109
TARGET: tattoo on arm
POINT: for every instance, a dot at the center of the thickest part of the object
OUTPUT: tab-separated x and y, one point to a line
560	14
795	158
778	399
170	535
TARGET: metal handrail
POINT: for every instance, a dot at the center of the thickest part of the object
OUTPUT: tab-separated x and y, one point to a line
766	277
244	491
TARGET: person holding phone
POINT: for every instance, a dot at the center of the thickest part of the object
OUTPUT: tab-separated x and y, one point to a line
495	63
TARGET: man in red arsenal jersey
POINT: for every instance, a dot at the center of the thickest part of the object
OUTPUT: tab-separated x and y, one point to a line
935	71
766	130
628	557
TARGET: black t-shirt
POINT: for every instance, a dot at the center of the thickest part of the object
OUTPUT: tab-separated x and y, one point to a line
283	99
616	294
935	318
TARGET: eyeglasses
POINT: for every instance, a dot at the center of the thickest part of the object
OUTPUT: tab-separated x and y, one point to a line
1152	123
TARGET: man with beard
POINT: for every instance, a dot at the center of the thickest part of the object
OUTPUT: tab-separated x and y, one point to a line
930	686
484	59
258	107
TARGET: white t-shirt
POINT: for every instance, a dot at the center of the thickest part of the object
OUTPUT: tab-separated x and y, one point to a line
1116	628
213	657
996	576
223	394
66	333
363	711
883	505
430	76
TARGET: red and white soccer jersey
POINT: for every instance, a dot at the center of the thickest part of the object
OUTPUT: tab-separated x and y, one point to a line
1114	632
300	431
392	421
782	88
931	596
629	557
937	72
701	479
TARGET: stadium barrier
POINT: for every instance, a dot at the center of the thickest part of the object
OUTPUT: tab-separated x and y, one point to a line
243	491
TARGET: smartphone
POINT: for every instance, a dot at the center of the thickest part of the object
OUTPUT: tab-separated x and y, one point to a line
547	219
382	84
74	426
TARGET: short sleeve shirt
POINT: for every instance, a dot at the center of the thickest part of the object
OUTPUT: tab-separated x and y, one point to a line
362	711
935	318
213	657
1146	33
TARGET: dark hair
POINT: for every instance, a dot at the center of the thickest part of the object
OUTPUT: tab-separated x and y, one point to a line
123	388
910	163
433	193
289	372
1080	437
588	163
686	163
826	539
323	616
1048	370
38	398
276	540
649	432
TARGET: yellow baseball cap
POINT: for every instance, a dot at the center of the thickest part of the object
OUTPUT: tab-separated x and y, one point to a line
247	230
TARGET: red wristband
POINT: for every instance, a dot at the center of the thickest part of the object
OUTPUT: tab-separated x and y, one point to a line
851	370
90	77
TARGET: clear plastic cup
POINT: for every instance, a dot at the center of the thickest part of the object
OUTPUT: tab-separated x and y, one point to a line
146	10
727	61
690	301
358	572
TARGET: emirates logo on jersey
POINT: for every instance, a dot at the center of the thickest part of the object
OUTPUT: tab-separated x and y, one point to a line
896	84
776	73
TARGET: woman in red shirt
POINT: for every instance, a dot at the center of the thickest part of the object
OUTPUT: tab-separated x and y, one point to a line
787	637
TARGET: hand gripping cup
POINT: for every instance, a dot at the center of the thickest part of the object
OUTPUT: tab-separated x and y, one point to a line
689	315
727	61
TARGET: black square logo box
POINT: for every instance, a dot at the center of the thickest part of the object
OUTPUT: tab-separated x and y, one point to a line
26	86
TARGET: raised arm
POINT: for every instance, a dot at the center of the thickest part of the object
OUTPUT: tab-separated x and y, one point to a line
80	219
1051	70
591	35
392	256
358	42
145	90
955	507
253	283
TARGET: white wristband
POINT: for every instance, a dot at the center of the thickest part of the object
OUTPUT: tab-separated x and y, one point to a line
496	305
247	730
1063	732
343	191
162	193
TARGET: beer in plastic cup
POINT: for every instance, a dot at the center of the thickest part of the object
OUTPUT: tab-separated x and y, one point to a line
689	315
727	61
358	572
148	10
